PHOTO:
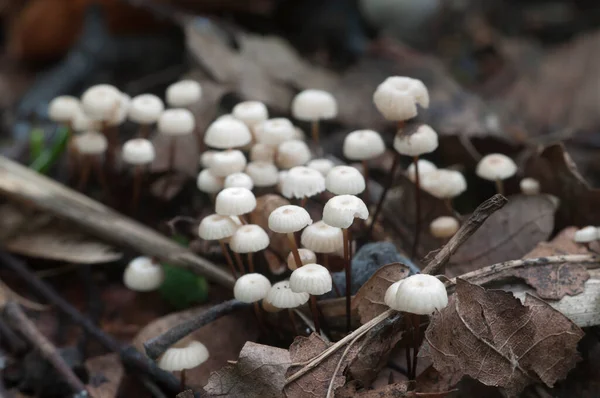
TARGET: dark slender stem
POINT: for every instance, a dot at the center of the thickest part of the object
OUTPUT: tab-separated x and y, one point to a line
315	313
314	128
326	265
408	358
101	176
295	252
416	343
388	186
111	134
250	262
227	258
182	379
10	339
348	270
239	262
17	318
365	168
137	186
417	209
448	203
84	174
170	166
499	187
303	202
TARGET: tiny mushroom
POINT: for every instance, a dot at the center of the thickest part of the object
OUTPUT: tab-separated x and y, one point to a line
219	228
239	180
183	358
250	112
208	182
143	274
235	202
63	109
496	167
424	165
227	133
530	186
292	153
287	220
444	227
138	152
345	180
91	145
174	123
262	153
363	145
444	184
397	98
315	280
145	109
227	162
248	239
312	106
100	102
586	235
322	165
302	183
306	256
251	288
183	93
275	131
263	174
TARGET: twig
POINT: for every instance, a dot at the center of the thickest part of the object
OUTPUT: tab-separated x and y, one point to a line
157	346
481	213
10	339
339	364
17	318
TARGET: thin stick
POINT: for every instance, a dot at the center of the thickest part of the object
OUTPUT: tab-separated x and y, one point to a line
387	187
365	170
17	318
499	187
315	313
10	339
295	252
239	262
416	321
182	380
339	365
228	258
250	256
170	166
314	129
84	175
348	270
417	209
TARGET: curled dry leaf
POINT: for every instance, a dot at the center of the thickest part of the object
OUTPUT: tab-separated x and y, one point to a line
490	336
259	372
508	234
105	375
264	206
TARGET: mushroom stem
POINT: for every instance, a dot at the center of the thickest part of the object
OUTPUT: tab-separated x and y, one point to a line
182	379
110	132
387	187
417	208
171	158
348	270
137	186
448	203
259	317
293	320
242	219
250	256
314	128
365	170
84	175
101	176
500	187
144	131
227	257
326	265
315	313
303	202
240	264
294	246
416	321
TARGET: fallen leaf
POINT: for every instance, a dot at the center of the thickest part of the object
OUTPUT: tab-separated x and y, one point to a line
369	298
104	374
490	336
259	372
508	234
260	216
395	390
186	394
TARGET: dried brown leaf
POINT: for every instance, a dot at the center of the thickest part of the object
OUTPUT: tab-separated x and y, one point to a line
369	298
259	372
105	375
490	336
508	234
395	390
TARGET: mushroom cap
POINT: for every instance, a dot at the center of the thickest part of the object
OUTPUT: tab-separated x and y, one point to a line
292	153
62	109
81	122
281	175
262	153
345	180
302	182
251	288
177	121
209	183
235	202
176	359
250	112
586	235
143	275
91	143
444	227
363	145
263	174
423	140
249	238
206	157
530	186
275	131
227	133
138	151
101	102
183	93
322	238
390	294
397	97
289	218
420	294
299	134
312	279
119	115
306	257
268	307
322	165
425	166
227	162
444	184
310	105
145	109
217	227
281	296
239	180
496	166
340	211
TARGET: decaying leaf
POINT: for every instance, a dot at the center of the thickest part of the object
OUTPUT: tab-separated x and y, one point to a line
264	206
105	374
395	390
508	234
490	336
259	372
369	298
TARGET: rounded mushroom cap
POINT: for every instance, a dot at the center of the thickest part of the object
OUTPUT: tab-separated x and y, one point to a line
209	183
530	186
363	145
145	109
444	184
227	133
227	162
322	238
340	211
422	141
425	166
206	158
262	153
235	202
323	166
292	153
586	235
397	97
420	294
390	293
444	227
183	93
217	227
310	105
249	238
176	359
176	122
81	122
496	166
302	182
281	296
306	257
289	218
251	288
281	175
91	143
250	112
62	109
138	151
119	115
101	102
345	180
263	174
275	131
143	275
312	279
239	180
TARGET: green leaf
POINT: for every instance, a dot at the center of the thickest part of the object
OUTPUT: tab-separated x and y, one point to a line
36	143
182	288
47	157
